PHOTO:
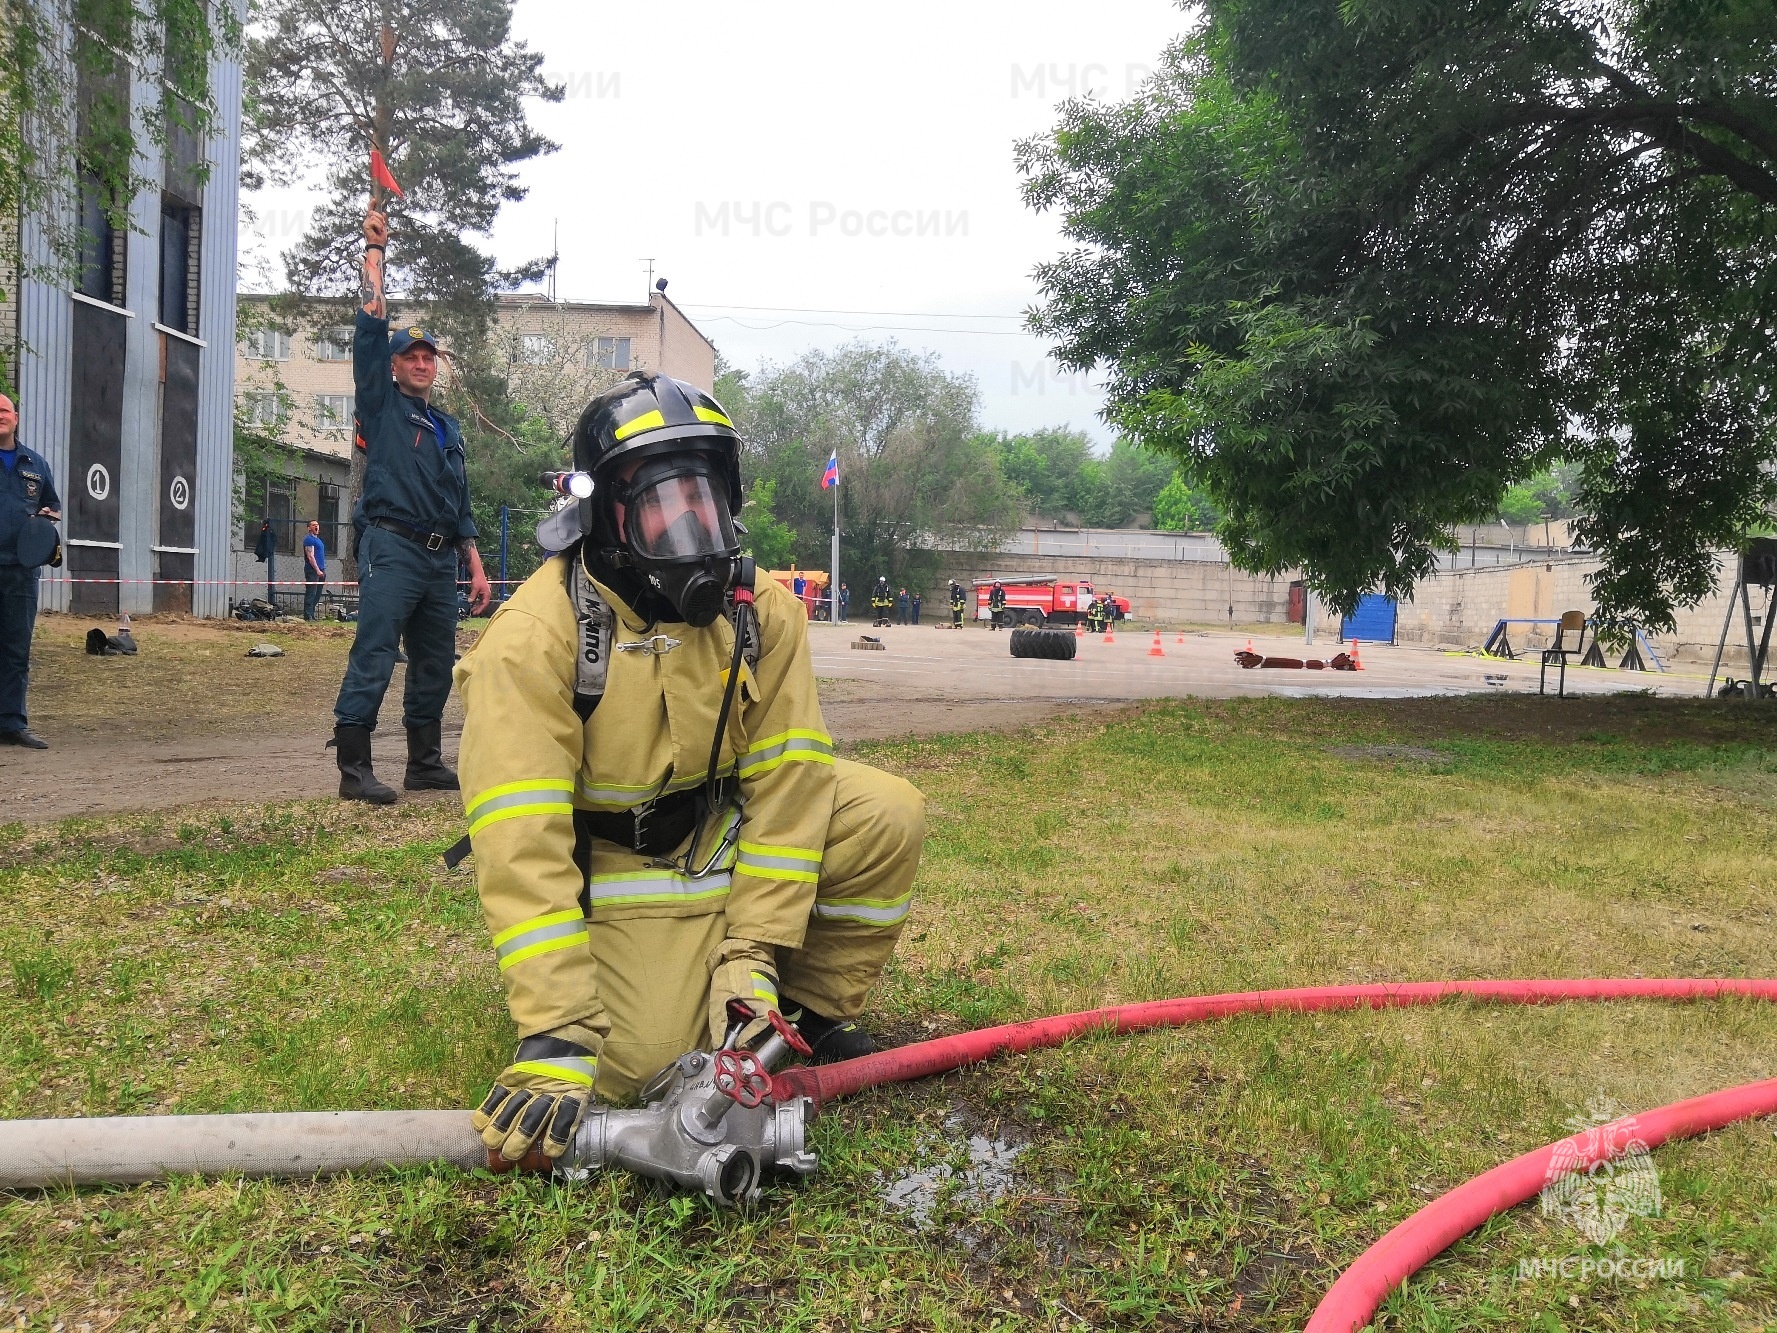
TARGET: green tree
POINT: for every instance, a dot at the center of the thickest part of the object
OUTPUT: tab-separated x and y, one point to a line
1126	483
1182	507
913	466
1364	264
769	541
1053	468
441	86
70	141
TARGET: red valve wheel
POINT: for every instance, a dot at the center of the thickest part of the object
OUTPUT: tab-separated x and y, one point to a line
787	1030
742	1077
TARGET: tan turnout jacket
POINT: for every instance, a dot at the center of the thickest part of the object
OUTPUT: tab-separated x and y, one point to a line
527	761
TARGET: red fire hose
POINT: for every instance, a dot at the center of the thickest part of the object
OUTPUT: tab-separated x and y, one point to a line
1351	1301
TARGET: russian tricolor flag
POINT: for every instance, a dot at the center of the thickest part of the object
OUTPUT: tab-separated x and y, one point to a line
831	476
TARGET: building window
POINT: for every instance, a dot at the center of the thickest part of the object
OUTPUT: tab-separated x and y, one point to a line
102	246
266	345
534	349
274	500
611	353
263	407
334	345
179	235
333	411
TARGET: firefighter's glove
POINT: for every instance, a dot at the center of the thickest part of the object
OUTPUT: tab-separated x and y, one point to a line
542	1095
744	970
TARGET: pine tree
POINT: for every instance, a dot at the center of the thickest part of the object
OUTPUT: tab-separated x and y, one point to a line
438	87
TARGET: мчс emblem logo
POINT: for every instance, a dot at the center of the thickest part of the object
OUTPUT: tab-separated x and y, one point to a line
1603	1176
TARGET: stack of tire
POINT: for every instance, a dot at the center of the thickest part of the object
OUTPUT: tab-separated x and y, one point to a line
1056	644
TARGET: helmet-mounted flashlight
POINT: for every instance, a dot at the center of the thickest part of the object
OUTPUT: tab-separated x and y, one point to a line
575	485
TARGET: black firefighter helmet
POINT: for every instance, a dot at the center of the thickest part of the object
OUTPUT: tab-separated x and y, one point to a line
669	456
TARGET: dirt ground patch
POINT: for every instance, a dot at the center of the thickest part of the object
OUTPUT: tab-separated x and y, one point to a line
192	719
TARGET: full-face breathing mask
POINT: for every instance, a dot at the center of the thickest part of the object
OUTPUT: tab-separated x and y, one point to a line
676	529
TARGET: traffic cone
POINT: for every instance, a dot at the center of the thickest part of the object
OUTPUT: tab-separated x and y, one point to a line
1357	663
1181	636
1249	643
1108	636
1079	629
1156	650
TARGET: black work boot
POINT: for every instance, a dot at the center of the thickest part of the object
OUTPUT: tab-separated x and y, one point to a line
425	760
356	780
831	1039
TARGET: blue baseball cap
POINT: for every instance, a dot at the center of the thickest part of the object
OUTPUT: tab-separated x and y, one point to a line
401	339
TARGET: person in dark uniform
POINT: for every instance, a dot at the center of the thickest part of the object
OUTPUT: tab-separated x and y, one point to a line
28	501
1110	612
882	601
1095	615
913	607
996	604
414	526
901	607
957	603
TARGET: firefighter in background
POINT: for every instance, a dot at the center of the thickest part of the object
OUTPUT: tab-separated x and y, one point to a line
996	604
957	602
882	601
1095	615
1110	611
658	819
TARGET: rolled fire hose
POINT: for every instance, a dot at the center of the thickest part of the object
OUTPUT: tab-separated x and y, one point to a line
127	1149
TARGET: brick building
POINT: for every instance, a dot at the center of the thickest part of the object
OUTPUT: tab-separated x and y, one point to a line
560	354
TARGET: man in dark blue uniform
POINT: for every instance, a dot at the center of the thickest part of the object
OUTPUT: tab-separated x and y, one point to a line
414	525
27	491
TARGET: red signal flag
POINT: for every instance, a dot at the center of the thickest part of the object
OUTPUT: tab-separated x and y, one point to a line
379	172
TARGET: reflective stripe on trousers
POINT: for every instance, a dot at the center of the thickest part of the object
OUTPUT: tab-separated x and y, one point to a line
867	911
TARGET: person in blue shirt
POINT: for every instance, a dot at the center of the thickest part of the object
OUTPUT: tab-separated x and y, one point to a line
413	526
27	491
314	570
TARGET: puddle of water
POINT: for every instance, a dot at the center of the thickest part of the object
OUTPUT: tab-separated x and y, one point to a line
988	1176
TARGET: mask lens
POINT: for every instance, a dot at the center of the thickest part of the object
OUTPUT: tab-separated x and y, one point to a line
678	518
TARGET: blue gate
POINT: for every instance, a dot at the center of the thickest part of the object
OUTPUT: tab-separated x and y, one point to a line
1372	622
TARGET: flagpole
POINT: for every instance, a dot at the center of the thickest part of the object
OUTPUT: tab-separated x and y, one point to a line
833	576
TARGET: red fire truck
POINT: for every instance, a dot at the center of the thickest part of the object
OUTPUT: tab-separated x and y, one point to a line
1042	599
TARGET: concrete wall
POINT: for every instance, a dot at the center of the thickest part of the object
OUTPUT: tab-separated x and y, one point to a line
1457	608
1179	592
1460	608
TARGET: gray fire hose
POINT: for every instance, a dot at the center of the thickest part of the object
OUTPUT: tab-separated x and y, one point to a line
710	1122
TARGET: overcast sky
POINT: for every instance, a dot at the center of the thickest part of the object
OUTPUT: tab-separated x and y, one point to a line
788	162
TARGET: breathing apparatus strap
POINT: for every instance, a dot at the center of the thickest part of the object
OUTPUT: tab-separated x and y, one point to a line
596	631
745	620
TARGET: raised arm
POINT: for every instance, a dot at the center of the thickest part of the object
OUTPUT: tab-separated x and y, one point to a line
370	280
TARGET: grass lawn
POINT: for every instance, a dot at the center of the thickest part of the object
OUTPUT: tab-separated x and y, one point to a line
309	956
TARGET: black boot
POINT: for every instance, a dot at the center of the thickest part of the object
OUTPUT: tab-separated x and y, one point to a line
831	1039
356	780
425	760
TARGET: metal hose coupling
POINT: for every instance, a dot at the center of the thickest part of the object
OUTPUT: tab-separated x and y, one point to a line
709	1122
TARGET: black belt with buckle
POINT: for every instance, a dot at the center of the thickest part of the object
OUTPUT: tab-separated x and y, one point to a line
432	541
652	830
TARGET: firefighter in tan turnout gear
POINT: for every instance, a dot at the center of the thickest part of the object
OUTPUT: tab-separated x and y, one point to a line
658	819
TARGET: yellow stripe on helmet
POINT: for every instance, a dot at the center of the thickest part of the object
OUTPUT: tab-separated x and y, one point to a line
647	421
